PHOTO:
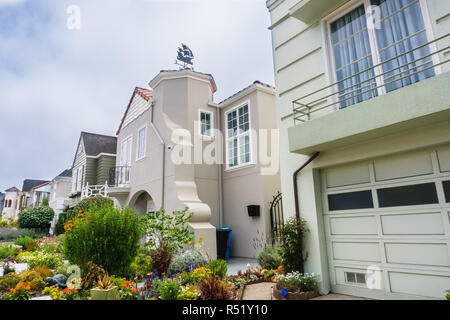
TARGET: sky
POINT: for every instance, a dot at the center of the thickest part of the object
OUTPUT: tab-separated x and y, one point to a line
57	80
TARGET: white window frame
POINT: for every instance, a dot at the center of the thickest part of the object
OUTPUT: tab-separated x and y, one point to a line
123	178
211	114
329	56
228	139
138	142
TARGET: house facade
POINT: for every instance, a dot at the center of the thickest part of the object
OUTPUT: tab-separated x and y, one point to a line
95	156
11	207
2	200
37	195
27	191
363	107
172	153
60	188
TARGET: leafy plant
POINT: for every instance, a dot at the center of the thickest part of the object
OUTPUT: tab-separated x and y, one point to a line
38	258
9	281
214	289
91	203
270	257
24	241
292	244
36	218
43	271
200	274
7	250
170	229
127	290
169	289
20	292
447	296
106	236
62	220
105	282
161	258
218	267
188	259
68	294
295	281
142	264
189	292
32	279
93	274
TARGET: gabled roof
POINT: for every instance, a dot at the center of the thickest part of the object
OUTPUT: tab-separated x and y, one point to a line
94	144
66	173
41	185
254	84
13	189
29	184
146	94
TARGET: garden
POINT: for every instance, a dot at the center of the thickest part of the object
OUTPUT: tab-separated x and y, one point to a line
100	252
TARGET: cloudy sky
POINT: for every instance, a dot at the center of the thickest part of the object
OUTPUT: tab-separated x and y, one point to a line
56	81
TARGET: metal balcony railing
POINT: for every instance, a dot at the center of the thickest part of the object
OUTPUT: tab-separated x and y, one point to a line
119	176
381	82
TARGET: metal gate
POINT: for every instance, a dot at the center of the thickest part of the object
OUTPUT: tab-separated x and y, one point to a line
276	216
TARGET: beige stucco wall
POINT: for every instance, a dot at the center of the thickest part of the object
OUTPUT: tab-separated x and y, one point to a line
12	212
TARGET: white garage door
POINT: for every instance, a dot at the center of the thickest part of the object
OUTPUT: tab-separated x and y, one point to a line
392	215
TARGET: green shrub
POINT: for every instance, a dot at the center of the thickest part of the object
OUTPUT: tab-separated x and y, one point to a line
4	224
36	218
38	258
292	244
141	265
296	282
106	236
62	219
447	296
24	241
187	260
269	258
218	267
93	273
87	203
9	281
7	250
33	279
169	289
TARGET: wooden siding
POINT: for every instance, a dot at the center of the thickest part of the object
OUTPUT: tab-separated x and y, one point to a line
91	171
138	106
104	164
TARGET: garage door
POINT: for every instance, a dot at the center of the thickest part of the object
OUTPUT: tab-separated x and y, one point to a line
387	225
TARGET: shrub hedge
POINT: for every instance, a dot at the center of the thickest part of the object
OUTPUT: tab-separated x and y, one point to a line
36	218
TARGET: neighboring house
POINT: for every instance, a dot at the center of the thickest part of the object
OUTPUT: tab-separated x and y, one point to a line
367	110
27	188
179	113
2	199
11	204
95	156
37	195
60	188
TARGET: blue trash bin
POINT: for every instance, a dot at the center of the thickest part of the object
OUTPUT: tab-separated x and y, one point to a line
223	240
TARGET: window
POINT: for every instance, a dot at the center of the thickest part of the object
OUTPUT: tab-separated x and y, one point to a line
408	195
355	49
206	123
446	185
350	200
238	136
141	143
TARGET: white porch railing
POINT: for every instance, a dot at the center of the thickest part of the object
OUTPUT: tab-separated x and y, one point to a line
95	190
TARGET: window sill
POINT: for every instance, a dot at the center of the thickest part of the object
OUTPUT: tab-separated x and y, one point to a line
242	166
141	158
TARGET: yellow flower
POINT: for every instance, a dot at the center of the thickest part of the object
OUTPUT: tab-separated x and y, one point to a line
200	240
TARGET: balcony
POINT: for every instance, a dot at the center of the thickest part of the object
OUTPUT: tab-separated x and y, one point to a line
119	181
385	103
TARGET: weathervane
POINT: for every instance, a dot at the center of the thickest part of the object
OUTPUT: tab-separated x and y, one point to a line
184	57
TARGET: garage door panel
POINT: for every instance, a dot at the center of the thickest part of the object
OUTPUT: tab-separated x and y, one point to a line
356	251
403	166
347	175
342	275
427	254
419	284
444	159
413	224
341	226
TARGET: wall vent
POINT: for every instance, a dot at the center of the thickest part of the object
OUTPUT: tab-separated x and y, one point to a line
355	278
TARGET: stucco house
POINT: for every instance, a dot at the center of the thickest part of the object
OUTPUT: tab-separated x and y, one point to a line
11	207
176	147
94	157
60	188
363	107
37	194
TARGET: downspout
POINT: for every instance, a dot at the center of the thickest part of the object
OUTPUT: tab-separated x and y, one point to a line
220	167
163	157
294	178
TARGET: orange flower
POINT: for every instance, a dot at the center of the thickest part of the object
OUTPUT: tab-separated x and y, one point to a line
126	284
19	285
133	289
28	288
12	290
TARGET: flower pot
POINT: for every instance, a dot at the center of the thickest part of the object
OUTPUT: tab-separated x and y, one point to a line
294	295
104	294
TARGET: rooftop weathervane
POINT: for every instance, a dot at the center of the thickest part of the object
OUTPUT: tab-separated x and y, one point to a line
184	56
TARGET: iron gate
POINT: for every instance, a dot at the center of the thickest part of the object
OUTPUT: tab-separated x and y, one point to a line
276	216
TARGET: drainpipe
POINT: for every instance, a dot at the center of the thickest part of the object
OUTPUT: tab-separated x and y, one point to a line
294	178
219	165
163	157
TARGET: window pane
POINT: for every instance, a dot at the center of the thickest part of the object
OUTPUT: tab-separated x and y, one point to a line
205	124
350	200
232	124
352	54
395	37
446	185
243	119
408	195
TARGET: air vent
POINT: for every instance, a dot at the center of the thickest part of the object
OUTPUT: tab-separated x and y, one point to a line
355	278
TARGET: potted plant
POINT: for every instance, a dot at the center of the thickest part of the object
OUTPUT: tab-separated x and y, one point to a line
295	286
105	290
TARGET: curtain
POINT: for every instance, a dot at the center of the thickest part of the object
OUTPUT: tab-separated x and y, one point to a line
352	54
403	31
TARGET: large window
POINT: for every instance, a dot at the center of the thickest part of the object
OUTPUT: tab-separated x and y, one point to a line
141	143
356	49
238	136
206	120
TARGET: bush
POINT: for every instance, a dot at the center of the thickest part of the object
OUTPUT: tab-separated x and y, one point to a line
161	258
106	236
269	258
296	282
7	250
9	281
187	260
141	265
214	289
43	271
36	218
218	267
292	243
62	220
90	202
33	279
93	274
169	289
38	258
24	241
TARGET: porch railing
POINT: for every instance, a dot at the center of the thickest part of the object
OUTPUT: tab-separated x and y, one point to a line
94	190
119	176
340	94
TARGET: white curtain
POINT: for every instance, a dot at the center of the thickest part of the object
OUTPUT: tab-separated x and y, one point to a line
406	21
